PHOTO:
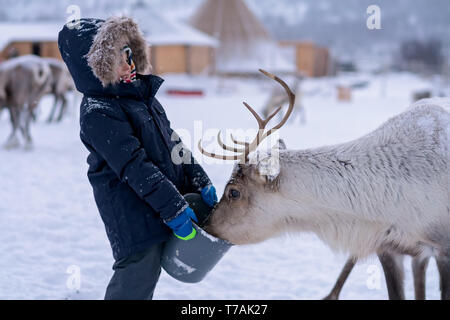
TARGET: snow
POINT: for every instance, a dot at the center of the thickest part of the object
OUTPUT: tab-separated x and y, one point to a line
209	236
179	34
31	31
53	242
184	266
157	29
162	30
260	55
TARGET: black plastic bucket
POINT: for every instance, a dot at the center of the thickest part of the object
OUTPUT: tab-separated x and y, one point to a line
190	261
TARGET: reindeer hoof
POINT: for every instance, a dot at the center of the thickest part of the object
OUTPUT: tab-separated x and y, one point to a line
29	146
12	143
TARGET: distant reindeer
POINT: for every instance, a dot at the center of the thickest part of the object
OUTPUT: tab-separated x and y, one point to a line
61	83
278	98
386	191
23	81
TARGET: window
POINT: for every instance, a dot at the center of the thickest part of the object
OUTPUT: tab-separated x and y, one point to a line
36	48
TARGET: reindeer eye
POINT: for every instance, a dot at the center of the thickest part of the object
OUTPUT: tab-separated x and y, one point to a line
234	194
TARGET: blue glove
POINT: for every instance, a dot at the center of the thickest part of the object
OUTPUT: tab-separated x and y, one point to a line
182	225
209	195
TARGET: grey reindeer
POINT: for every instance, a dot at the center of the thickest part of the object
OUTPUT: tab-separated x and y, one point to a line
23	82
61	83
386	191
278	98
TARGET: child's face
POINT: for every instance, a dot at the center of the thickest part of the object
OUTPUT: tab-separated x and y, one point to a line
124	69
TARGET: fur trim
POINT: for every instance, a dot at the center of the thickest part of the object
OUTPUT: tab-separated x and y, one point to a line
105	53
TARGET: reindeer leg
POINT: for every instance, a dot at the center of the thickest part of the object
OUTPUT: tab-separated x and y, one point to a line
29	141
335	292
443	263
26	117
53	111
63	108
419	267
12	141
29	144
393	270
22	116
33	115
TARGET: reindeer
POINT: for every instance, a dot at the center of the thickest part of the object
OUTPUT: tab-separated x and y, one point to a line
386	191
61	83
23	81
278	98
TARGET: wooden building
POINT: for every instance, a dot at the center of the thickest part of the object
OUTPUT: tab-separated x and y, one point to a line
17	39
174	47
312	60
185	51
181	59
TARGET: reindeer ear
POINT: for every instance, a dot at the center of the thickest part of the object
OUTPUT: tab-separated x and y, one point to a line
259	176
268	167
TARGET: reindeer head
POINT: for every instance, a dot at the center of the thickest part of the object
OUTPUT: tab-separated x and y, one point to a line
247	211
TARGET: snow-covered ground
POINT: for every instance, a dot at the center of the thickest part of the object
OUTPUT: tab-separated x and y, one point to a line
53	244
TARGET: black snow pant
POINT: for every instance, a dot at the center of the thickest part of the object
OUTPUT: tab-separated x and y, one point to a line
135	277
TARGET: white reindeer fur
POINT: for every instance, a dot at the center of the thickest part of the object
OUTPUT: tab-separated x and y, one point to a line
388	188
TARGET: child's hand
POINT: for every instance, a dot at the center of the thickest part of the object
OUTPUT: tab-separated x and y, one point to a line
182	225
209	195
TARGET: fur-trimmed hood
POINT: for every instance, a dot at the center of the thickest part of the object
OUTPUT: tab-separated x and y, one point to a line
92	52
104	55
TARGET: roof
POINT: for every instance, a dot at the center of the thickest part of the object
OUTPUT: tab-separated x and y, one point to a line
160	30
30	31
157	30
178	33
245	44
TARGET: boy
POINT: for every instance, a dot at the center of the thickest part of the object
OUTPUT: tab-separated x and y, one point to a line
137	187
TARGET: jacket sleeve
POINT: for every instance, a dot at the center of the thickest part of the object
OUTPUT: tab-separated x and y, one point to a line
111	135
196	176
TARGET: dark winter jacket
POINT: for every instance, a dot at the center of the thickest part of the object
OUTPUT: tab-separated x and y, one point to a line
137	187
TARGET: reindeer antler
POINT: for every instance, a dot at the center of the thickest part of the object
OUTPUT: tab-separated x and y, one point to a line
242	153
